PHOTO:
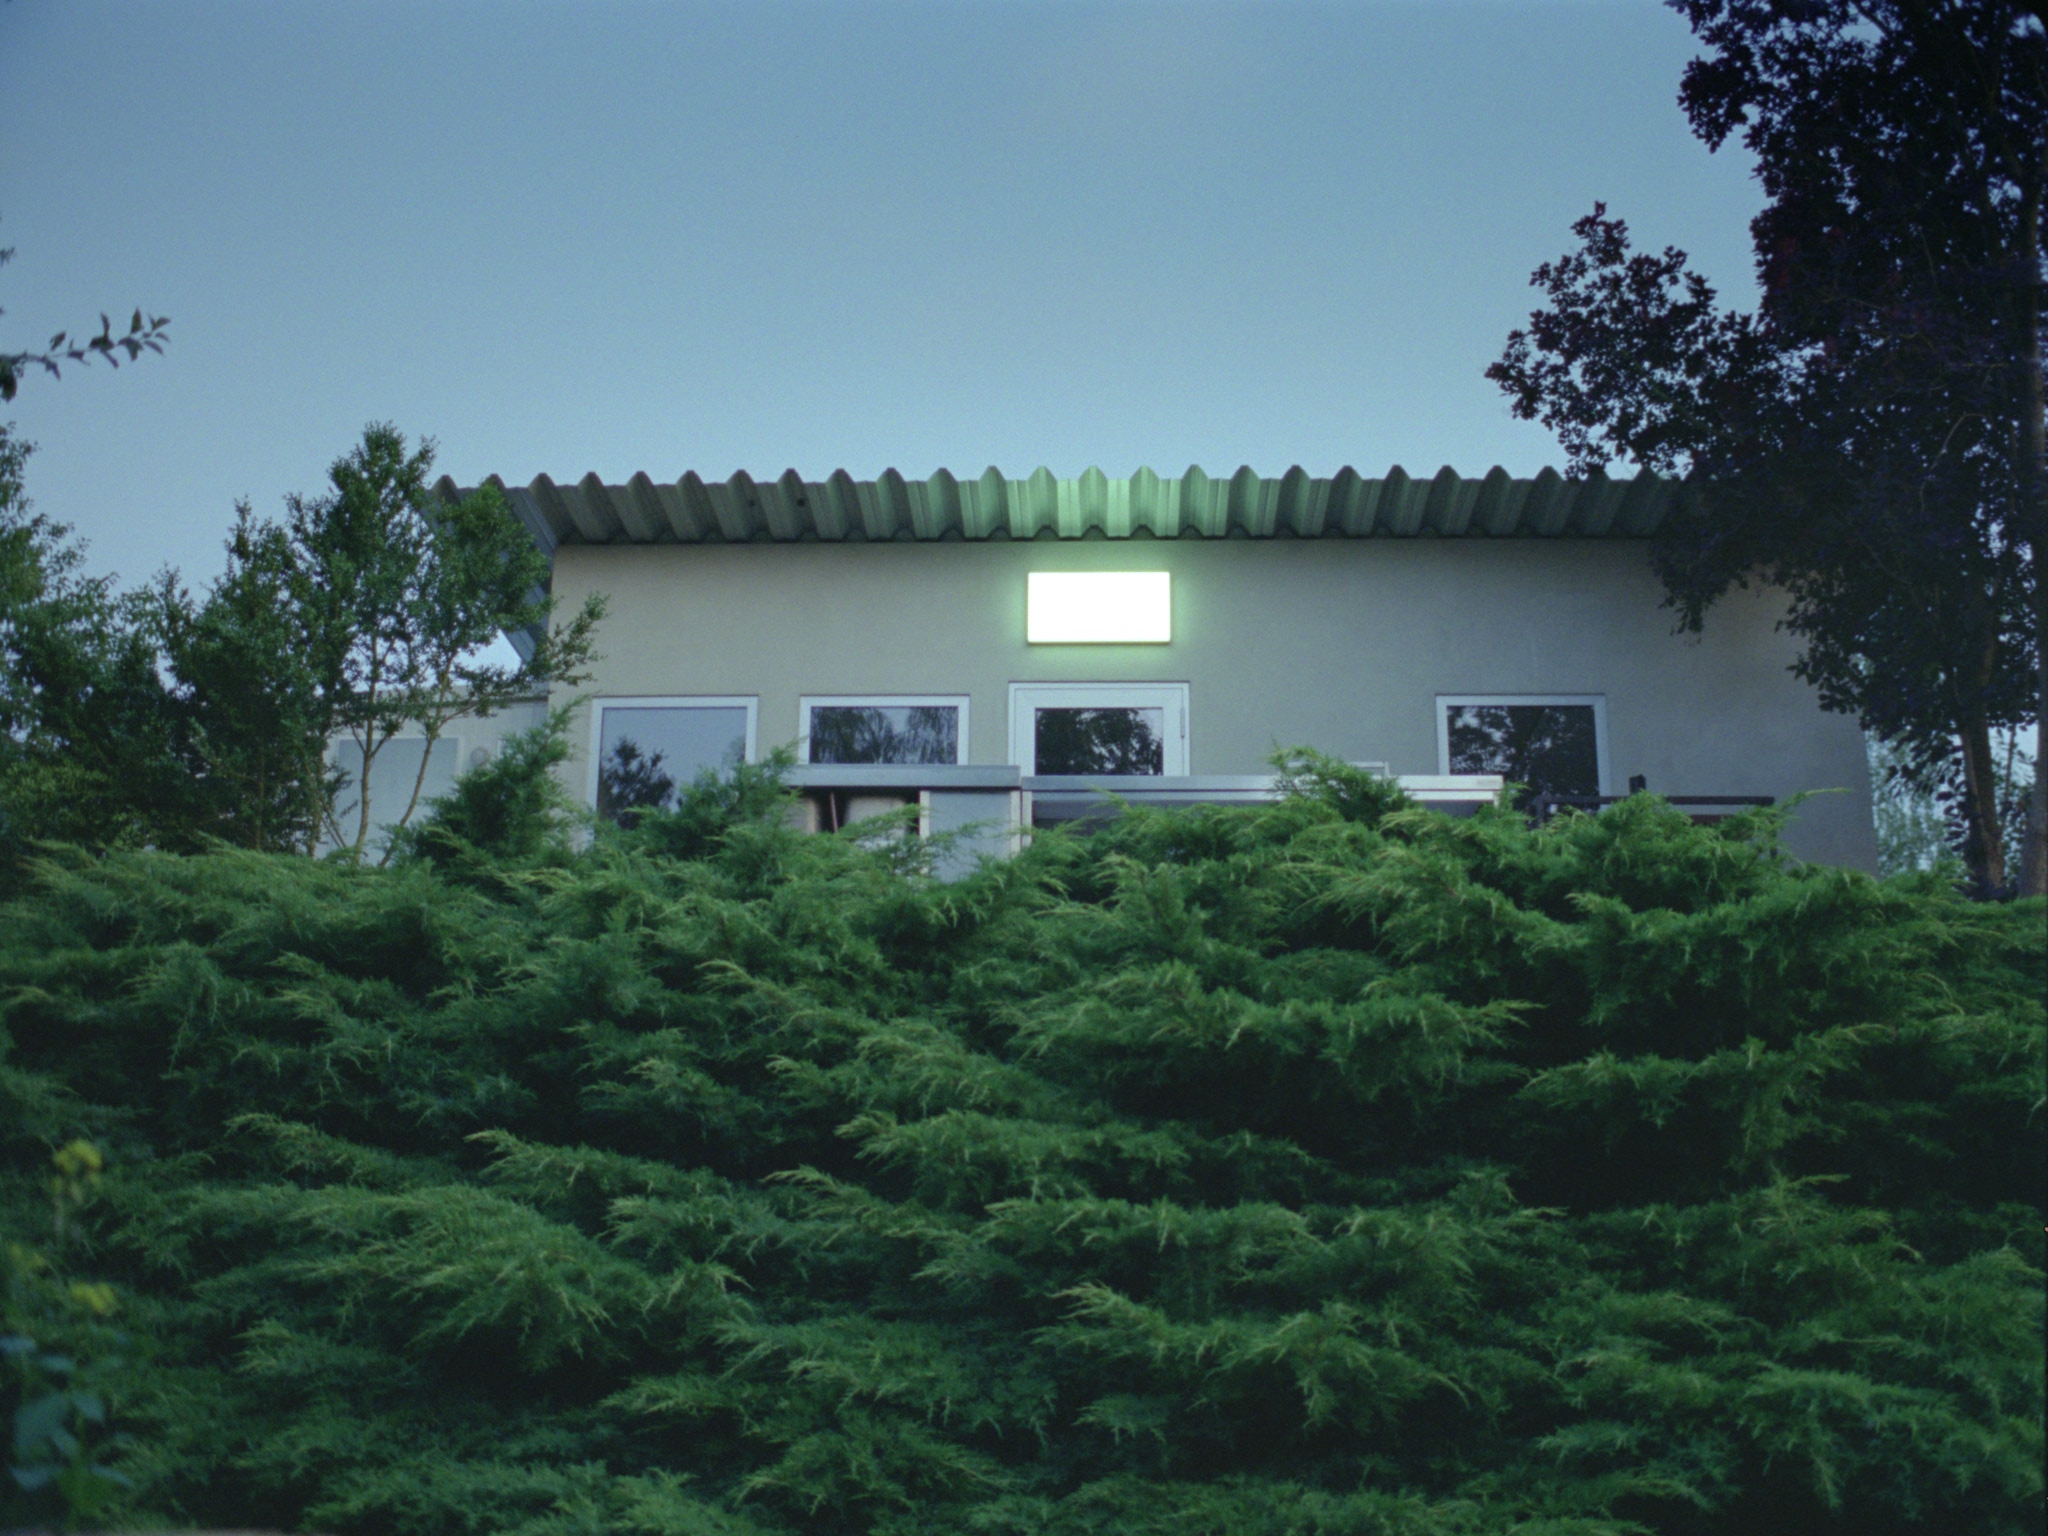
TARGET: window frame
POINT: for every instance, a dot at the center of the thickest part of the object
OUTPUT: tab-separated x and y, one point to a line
1027	698
806	702
751	702
1446	702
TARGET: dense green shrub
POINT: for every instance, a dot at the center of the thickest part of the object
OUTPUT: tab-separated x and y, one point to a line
1326	1167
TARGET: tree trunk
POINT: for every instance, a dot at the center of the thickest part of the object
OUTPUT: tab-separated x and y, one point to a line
371	747
2033	873
1983	836
2034	465
433	731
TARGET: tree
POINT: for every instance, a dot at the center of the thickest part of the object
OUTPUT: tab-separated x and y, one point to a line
155	718
254	723
397	594
1870	439
88	743
504	815
1108	741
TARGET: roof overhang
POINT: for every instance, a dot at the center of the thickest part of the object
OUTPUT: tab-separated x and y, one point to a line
1246	505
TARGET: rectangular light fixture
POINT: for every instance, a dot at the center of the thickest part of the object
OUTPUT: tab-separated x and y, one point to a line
1098	607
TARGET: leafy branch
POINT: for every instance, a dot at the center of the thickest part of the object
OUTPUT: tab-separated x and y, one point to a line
146	333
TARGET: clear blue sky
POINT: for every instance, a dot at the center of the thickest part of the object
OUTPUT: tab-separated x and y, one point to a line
615	237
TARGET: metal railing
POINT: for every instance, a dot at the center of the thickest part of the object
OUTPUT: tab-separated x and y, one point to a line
1543	806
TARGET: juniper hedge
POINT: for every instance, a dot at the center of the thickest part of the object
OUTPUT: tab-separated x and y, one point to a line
1319	1168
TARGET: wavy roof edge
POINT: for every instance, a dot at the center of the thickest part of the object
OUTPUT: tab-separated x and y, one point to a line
1246	505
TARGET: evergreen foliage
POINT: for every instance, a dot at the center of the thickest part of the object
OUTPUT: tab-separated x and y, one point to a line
89	745
1331	1166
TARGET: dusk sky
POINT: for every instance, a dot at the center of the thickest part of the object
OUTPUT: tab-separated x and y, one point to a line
710	237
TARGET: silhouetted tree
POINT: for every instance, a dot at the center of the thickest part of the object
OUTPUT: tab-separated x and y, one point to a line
155	718
884	734
1871	437
252	717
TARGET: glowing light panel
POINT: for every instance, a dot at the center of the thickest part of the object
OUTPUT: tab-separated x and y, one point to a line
1098	607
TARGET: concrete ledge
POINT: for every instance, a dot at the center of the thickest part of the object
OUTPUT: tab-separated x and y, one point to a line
1067	797
883	776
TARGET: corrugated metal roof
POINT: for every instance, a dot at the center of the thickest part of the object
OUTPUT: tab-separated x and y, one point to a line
1245	505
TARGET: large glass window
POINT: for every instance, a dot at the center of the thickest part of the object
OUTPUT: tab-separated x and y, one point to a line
1554	745
649	750
1105	730
885	730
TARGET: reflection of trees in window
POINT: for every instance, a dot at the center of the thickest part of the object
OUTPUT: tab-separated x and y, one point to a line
1105	741
893	733
1545	746
649	752
629	779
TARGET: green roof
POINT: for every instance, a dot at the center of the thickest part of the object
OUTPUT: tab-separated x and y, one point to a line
1245	505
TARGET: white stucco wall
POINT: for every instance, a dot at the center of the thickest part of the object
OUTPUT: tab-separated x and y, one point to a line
1342	645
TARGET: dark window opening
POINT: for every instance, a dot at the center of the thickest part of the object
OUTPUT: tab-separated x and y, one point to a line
1111	742
1552	748
885	733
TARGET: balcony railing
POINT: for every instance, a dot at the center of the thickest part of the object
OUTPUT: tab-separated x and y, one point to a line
1546	805
990	807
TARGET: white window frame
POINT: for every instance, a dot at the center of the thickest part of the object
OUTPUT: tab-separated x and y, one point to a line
749	701
1027	698
1446	702
807	702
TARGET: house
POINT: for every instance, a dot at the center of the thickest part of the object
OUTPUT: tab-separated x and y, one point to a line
999	652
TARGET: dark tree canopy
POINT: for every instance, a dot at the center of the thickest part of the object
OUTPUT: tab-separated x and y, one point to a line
91	750
870	733
1869	438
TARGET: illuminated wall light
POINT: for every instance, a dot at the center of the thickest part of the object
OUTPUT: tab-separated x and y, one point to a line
1098	607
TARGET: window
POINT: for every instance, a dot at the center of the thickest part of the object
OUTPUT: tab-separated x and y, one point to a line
1108	730
646	751
876	729
1556	744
